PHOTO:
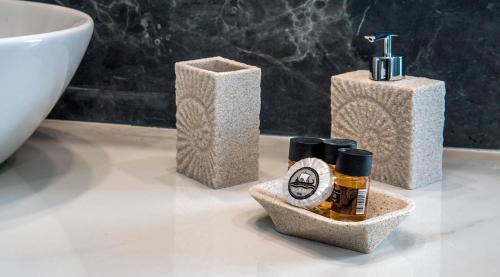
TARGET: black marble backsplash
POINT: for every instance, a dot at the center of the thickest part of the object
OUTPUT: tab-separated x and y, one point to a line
128	75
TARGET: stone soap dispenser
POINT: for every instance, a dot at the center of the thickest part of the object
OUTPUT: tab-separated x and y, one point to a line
399	118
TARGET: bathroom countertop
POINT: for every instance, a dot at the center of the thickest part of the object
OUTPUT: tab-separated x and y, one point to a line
85	199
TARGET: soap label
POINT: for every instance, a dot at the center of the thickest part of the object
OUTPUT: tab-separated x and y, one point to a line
349	201
303	183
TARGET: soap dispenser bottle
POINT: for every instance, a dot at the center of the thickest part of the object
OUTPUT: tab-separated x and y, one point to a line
399	118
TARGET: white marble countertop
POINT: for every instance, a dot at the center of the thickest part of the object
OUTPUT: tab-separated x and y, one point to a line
81	199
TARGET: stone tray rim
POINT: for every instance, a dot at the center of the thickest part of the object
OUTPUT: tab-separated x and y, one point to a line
257	191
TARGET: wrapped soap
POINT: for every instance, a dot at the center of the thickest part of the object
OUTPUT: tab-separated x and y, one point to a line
308	183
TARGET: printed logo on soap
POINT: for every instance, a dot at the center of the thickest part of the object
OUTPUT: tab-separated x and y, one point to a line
303	183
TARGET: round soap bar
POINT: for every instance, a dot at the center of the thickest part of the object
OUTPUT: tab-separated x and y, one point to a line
308	183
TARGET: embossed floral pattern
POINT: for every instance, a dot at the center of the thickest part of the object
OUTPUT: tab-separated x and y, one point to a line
195	119
377	120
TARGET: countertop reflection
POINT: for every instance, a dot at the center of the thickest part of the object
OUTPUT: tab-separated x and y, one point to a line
85	199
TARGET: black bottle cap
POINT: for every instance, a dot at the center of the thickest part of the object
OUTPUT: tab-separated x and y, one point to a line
333	145
354	162
303	147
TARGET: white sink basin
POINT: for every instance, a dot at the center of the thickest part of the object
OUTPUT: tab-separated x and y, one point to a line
41	47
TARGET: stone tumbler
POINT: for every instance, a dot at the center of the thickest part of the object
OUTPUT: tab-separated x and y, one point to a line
218	107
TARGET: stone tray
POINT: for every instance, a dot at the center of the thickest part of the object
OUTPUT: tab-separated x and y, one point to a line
385	211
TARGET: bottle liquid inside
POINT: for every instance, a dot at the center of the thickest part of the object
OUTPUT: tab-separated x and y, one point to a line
350	197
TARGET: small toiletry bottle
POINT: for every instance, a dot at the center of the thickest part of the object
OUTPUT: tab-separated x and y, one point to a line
303	147
331	147
351	185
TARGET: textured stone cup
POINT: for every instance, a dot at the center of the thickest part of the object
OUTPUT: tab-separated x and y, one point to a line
218	107
401	122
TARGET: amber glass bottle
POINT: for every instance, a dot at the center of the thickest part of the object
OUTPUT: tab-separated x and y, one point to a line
331	147
303	147
351	185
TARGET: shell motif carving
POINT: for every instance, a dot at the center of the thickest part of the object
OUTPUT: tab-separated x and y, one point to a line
373	120
195	125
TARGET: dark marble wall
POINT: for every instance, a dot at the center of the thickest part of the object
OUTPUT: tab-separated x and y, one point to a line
128	77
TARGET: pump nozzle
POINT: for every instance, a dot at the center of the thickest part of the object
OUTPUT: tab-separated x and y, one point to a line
387	67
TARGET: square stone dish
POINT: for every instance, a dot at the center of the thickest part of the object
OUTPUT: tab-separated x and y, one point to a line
385	211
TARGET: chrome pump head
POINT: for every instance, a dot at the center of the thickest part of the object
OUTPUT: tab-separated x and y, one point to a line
387	67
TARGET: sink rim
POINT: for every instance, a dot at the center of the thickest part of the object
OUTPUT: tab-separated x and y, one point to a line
85	23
